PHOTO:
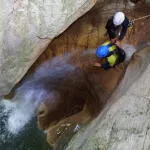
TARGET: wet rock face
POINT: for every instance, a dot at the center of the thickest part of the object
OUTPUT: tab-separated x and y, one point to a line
27	27
86	34
76	97
41	23
67	96
124	123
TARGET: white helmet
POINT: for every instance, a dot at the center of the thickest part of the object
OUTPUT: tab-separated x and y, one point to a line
118	19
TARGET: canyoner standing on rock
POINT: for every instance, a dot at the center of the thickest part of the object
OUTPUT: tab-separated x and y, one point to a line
116	27
109	55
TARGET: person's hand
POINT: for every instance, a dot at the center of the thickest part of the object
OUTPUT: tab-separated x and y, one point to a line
97	64
118	43
113	41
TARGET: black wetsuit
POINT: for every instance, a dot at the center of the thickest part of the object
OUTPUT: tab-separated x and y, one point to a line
112	29
121	57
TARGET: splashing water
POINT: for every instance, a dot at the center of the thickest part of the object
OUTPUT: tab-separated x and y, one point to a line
17	117
34	91
129	50
5	110
17	114
29	139
24	109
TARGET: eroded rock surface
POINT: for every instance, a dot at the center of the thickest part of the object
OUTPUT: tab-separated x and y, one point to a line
85	91
26	29
124	123
39	28
86	34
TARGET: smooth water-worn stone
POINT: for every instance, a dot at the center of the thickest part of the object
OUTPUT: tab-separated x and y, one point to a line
26	29
124	124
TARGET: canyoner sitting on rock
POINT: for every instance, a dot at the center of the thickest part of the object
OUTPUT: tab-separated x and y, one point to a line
110	55
116	27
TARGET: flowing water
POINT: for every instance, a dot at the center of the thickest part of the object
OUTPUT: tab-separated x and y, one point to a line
18	124
18	128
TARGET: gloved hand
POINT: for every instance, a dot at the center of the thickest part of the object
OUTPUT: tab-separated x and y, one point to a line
118	43
113	41
97	64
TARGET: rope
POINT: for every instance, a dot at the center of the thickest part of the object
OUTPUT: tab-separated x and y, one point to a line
140	18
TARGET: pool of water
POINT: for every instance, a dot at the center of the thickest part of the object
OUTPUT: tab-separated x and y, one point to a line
29	138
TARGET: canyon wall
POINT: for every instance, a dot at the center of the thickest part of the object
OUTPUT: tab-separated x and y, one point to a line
85	35
26	29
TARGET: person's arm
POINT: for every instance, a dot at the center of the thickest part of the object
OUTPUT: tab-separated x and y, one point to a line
105	66
124	29
108	23
110	30
121	56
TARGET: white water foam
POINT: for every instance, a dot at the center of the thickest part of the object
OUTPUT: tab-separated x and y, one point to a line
34	91
37	88
129	50
5	109
24	110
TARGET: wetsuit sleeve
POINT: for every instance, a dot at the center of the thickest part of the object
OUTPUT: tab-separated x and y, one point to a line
108	23
124	29
109	28
105	66
121	55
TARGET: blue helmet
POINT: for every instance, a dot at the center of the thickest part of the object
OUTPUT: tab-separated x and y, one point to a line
102	51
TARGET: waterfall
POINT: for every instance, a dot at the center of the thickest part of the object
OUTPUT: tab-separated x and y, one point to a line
16	115
35	90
